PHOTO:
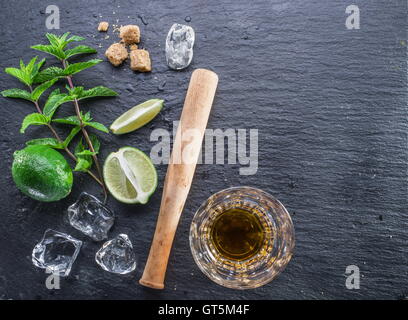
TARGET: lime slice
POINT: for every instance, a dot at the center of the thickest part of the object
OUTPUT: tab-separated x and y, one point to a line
130	175
137	116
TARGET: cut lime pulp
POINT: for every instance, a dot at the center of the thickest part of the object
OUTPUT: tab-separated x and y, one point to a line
130	175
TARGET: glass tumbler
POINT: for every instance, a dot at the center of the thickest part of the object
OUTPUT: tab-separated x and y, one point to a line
274	253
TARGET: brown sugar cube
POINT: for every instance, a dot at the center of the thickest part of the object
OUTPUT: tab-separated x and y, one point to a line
140	60
103	26
133	47
116	54
130	34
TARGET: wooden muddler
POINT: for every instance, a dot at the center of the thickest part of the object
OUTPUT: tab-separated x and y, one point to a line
180	172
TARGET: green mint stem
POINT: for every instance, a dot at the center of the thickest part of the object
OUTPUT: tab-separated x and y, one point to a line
86	136
56	135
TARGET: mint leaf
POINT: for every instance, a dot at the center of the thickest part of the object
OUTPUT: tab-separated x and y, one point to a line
36	94
48	74
34	68
75	38
99	91
19	74
77	67
86	153
86	117
30	65
72	120
53	50
83	164
63	39
55	72
95	142
26	73
84	160
53	39
79	147
16	93
78	50
51	142
55	99
36	119
97	126
71	135
75	92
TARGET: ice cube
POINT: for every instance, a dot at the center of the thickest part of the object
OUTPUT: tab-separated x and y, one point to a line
91	217
179	46
117	255
56	252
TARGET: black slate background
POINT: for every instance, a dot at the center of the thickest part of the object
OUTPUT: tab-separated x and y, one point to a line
330	107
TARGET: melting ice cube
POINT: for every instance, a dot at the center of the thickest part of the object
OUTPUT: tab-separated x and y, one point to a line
56	252
91	217
179	46
117	255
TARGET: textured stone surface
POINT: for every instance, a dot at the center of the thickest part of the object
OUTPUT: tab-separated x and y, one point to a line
330	106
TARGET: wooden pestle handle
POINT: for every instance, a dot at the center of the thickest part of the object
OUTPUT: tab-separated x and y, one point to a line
180	172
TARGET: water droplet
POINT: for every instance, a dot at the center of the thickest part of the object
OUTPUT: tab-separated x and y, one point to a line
187	19
143	19
161	86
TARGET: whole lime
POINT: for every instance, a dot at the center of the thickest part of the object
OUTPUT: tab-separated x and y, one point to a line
42	173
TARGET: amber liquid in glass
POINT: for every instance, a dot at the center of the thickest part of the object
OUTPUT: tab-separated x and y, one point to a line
237	234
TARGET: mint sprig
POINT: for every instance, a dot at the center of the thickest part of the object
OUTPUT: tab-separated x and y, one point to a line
40	80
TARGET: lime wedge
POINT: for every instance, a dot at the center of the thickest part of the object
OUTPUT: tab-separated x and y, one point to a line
130	175
137	116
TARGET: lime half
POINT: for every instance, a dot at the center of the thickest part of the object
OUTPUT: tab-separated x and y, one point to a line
130	175
137	116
